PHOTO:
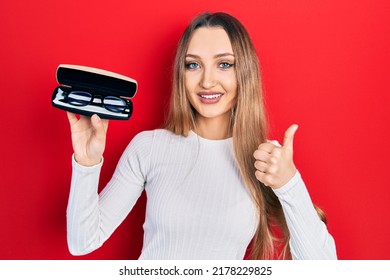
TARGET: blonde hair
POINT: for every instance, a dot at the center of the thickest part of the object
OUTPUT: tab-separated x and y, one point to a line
248	127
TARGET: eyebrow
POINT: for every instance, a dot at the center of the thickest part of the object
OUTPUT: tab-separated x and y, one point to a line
215	56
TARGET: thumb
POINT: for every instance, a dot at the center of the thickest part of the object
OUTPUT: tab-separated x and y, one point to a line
288	140
99	125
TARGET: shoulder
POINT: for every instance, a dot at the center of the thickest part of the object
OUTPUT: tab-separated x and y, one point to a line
150	135
142	136
158	137
140	143
152	144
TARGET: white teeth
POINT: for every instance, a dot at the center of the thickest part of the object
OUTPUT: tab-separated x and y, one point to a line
211	96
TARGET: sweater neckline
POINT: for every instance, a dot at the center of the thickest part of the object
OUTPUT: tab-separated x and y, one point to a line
209	141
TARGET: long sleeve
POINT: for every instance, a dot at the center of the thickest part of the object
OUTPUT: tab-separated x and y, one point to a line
93	217
309	237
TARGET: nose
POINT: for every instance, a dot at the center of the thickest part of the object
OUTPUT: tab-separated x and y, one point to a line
208	80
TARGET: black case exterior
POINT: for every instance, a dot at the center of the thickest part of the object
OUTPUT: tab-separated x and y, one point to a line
96	81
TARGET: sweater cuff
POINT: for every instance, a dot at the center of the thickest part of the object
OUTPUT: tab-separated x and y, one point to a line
86	169
289	185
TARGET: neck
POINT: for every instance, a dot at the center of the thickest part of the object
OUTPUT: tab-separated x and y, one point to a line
213	128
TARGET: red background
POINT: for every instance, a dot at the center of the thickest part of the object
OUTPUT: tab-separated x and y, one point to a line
325	66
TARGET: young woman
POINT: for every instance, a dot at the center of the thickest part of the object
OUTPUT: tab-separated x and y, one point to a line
214	184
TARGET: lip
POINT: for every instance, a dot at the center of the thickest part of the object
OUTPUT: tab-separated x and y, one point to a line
210	97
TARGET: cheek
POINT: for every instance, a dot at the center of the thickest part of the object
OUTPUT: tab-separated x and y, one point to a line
230	83
190	81
189	86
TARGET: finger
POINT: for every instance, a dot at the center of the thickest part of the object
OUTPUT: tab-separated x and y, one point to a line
100	126
288	140
72	118
267	147
96	122
261	166
265	178
261	155
260	176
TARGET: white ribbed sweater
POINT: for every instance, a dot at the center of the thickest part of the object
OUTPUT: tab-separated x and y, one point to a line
197	205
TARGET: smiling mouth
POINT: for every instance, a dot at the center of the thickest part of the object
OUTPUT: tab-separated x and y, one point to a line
210	96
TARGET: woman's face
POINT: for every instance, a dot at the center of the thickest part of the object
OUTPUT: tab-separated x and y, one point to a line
210	78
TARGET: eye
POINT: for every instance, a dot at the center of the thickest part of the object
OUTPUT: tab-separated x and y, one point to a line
192	65
225	65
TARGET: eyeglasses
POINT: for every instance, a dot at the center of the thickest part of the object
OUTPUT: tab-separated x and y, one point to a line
83	98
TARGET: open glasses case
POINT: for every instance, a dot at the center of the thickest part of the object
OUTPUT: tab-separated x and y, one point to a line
86	91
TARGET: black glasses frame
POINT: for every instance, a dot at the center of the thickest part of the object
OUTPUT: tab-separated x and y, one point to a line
67	91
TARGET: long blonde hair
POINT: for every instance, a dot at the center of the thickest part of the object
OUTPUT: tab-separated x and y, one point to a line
248	127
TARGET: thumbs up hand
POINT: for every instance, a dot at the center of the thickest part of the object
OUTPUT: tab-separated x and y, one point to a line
274	164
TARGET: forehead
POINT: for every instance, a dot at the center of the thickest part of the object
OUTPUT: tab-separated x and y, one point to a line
209	40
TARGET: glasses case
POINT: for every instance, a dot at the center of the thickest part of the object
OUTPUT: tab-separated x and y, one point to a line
100	85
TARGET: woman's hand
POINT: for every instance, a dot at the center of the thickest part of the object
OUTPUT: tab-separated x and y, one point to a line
274	164
88	138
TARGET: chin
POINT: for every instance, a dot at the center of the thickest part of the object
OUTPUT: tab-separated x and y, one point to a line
214	114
